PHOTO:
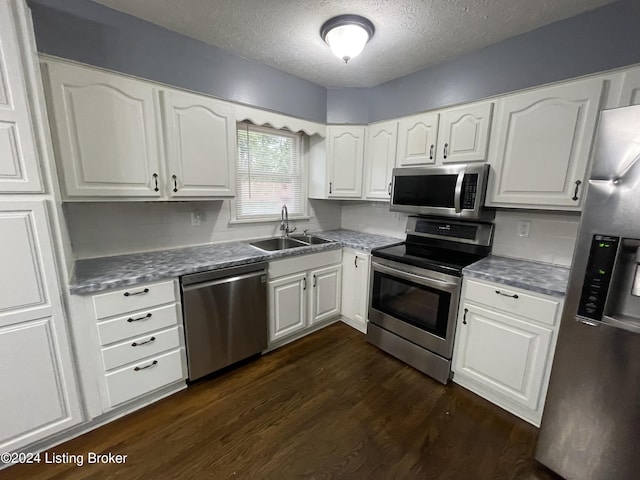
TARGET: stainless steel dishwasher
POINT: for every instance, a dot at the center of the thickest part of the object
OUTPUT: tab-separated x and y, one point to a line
225	316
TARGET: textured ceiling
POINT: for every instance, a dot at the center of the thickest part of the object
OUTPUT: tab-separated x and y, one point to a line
410	34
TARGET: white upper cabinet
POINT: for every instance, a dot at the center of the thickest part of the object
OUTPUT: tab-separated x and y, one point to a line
107	133
380	157
345	157
417	137
200	135
37	381
540	145
630	88
463	135
19	170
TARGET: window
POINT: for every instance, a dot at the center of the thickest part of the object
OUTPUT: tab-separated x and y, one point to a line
269	173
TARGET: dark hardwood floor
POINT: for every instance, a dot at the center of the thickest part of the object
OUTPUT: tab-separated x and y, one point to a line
327	406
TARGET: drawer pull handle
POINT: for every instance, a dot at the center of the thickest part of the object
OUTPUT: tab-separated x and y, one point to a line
464	317
446	150
431	152
304	283
355	261
144	317
175	183
142	292
136	344
137	369
506	294
155	179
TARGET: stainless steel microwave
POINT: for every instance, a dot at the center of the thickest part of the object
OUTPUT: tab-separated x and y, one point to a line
456	191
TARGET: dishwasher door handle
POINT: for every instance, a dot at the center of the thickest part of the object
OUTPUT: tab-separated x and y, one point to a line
221	281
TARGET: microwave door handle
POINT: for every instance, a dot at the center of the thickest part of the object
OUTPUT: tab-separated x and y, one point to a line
457	199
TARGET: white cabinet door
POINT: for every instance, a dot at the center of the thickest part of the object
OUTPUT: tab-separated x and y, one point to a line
201	145
345	157
355	288
630	88
463	134
107	135
287	305
380	158
540	145
325	293
417	140
506	354
37	383
19	168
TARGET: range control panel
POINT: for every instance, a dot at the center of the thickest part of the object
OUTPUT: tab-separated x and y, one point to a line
602	258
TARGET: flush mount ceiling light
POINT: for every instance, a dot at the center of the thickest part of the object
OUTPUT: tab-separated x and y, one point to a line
347	35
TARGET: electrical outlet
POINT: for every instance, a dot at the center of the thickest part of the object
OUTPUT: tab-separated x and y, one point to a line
196	220
524	227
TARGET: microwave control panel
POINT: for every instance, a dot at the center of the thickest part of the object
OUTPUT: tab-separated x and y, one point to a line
597	279
469	189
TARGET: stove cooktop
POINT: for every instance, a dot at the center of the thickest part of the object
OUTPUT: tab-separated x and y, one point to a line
432	258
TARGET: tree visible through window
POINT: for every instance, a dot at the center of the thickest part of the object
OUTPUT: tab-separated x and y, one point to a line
269	173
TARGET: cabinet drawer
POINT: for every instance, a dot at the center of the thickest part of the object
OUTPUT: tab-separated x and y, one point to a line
128	383
140	347
133	298
525	305
142	322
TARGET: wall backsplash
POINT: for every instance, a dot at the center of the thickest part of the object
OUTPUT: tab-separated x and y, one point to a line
373	217
551	238
103	229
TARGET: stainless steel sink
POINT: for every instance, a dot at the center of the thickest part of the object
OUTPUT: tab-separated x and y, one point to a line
310	239
278	243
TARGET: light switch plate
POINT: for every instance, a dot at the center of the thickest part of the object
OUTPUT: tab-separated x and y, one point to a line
524	227
196	220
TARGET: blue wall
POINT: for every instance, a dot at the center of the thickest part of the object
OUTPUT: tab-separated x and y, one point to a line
602	39
91	33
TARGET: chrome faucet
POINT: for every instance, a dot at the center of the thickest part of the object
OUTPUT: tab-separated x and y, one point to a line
284	223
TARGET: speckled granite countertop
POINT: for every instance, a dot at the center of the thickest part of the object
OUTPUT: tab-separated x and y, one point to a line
533	276
96	274
358	240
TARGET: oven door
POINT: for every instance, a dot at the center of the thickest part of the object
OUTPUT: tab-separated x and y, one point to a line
416	304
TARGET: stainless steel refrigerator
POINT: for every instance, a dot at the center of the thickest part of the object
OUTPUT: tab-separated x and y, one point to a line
591	423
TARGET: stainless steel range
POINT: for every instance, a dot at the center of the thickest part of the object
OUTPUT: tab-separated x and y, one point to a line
415	289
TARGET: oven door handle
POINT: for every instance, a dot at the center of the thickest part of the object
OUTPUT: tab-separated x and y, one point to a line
457	199
427	281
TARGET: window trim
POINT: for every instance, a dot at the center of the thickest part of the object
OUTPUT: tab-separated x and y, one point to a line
304	172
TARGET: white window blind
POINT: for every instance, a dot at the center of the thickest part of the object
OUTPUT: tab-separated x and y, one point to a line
269	173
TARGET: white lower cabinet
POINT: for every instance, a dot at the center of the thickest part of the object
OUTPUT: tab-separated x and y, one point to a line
38	391
132	344
355	288
504	346
304	294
